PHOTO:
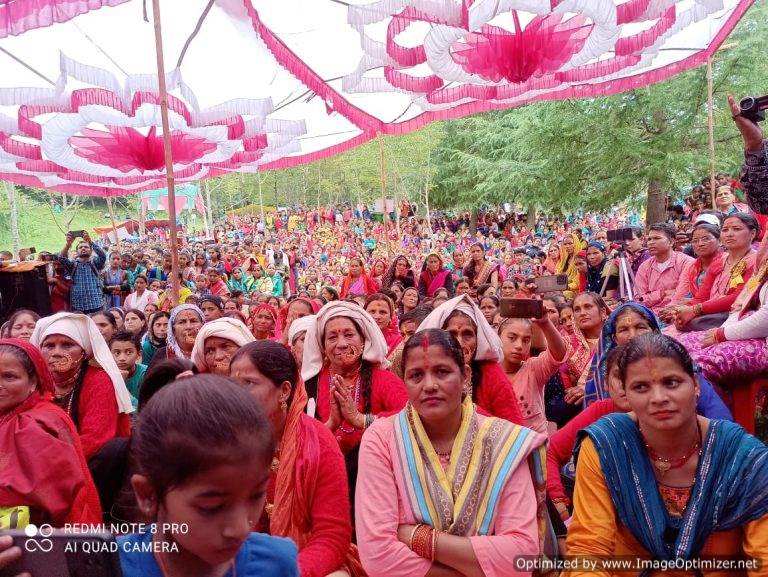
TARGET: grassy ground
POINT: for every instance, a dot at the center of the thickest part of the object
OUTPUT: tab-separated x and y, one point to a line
43	230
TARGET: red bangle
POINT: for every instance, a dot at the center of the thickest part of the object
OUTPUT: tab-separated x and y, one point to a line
720	335
423	542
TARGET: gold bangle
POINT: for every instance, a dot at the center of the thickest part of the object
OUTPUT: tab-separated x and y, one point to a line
435	533
410	540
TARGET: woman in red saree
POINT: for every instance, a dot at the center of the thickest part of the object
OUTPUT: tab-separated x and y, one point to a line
44	470
480	270
263	322
307	494
357	282
434	276
88	385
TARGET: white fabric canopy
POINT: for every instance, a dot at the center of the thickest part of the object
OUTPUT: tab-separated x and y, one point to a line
269	84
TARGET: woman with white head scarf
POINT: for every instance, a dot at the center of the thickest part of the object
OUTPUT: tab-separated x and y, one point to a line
489	386
296	335
345	357
216	344
183	325
88	384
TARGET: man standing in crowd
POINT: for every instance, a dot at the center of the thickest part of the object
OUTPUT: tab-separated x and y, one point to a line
86	294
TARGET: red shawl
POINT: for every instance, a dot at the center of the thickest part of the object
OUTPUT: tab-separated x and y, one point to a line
45	468
370	285
277	330
434	282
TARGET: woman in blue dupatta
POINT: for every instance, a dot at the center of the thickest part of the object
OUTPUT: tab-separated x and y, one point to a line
444	490
625	323
663	483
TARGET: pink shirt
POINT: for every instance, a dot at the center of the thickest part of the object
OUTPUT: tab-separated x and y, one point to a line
651	285
383	509
529	385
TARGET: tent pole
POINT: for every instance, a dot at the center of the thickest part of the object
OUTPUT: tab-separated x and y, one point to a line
383	179
205	210
142	227
112	219
261	197
163	90
711	127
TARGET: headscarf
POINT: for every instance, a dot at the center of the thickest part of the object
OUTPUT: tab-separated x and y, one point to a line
81	329
149	334
224	328
369	285
596	387
282	314
277	329
435	281
170	342
595	278
298	326
374	350
550	264
44	465
488	342
45	384
237	285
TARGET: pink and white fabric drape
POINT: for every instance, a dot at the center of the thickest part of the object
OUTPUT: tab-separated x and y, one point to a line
268	84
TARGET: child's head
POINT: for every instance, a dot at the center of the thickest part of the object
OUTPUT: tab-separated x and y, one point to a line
516	335
126	350
203	449
201	282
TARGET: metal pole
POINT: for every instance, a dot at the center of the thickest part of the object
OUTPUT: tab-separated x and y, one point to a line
142	227
383	179
163	90
205	211
711	126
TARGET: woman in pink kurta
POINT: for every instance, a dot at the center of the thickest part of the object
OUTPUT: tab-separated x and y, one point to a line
448	520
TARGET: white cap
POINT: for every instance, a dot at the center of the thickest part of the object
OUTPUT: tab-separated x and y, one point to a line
709	219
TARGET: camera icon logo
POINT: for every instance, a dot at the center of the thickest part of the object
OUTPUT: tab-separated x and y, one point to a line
38	540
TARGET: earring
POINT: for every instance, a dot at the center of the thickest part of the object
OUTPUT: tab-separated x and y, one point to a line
284	405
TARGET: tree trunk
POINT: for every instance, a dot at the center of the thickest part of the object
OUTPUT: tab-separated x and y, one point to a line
473	221
10	190
531	217
656	211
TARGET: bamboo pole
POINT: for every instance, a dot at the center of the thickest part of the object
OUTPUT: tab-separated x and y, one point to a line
208	210
426	199
142	226
261	197
163	92
205	211
711	128
382	176
112	219
10	190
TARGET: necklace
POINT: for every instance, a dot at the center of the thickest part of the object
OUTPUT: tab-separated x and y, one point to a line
663	465
164	569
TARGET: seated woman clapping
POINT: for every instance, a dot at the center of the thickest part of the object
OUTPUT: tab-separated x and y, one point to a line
434	502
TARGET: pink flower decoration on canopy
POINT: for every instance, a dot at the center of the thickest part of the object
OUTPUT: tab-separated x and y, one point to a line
68	153
542	47
126	149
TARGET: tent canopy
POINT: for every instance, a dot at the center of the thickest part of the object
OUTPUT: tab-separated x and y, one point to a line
266	84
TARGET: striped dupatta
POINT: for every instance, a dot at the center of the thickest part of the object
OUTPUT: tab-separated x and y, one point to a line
464	499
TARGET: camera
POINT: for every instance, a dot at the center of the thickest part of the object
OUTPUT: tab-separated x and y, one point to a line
753	108
621	234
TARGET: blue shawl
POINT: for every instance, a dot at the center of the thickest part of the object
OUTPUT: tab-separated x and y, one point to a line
596	387
730	487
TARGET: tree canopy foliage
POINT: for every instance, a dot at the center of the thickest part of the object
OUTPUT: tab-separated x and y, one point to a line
595	153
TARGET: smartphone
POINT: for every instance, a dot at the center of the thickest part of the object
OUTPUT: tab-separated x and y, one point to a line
53	553
551	283
521	308
77	233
